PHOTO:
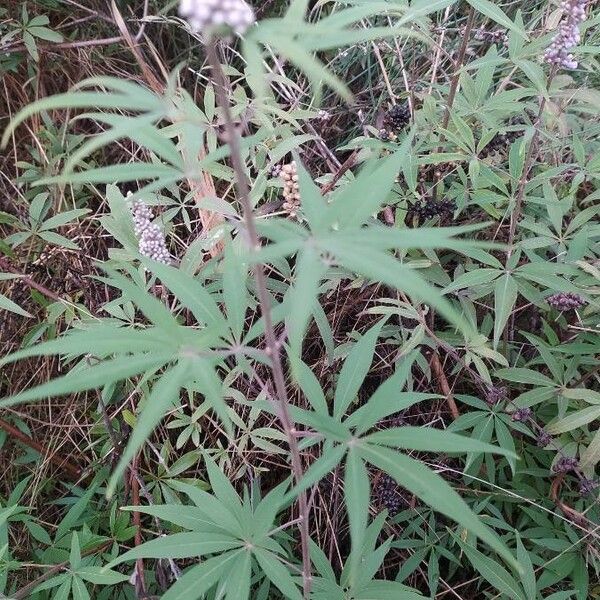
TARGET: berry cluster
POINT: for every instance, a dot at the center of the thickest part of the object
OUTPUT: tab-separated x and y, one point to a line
387	496
495	395
522	414
492	37
500	142
398	117
565	464
568	35
564	301
151	239
206	14
587	486
291	189
425	210
543	439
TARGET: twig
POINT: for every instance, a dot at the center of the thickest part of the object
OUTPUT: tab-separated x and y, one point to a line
438	371
457	67
346	166
272	345
64	45
30	282
73	471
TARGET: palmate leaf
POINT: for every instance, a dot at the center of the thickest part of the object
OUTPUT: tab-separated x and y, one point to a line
434	491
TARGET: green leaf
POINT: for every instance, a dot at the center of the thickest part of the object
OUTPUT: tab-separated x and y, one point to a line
494	12
574	420
192	294
505	297
356	497
90	378
101	576
519	375
387	399
434	491
309	384
237	584
75	554
387	590
356	366
79	590
303	295
277	573
188	517
528	577
8	304
381	267
195	582
164	394
590	457
428	439
494	573
43	33
178	545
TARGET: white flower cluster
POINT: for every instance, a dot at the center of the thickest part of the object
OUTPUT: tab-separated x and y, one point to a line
151	238
568	35
205	14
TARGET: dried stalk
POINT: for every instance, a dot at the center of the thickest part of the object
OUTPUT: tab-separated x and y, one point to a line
272	346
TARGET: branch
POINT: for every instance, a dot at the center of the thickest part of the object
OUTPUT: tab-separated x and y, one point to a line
272	346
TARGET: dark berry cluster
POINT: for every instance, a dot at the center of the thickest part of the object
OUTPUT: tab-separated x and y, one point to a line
492	37
588	486
387	495
565	301
500	142
398	117
495	395
543	439
425	210
522	414
565	464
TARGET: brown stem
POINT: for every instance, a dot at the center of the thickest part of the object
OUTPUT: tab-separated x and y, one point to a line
272	346
457	67
65	45
347	165
438	372
30	282
26	590
72	471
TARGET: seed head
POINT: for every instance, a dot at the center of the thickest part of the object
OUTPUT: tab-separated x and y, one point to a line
567	36
587	486
151	239
522	414
565	464
207	14
291	189
565	301
495	395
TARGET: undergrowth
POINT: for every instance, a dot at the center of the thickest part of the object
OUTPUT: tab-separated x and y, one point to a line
302	308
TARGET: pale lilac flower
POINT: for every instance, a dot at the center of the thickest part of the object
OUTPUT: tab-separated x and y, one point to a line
568	35
205	14
151	239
